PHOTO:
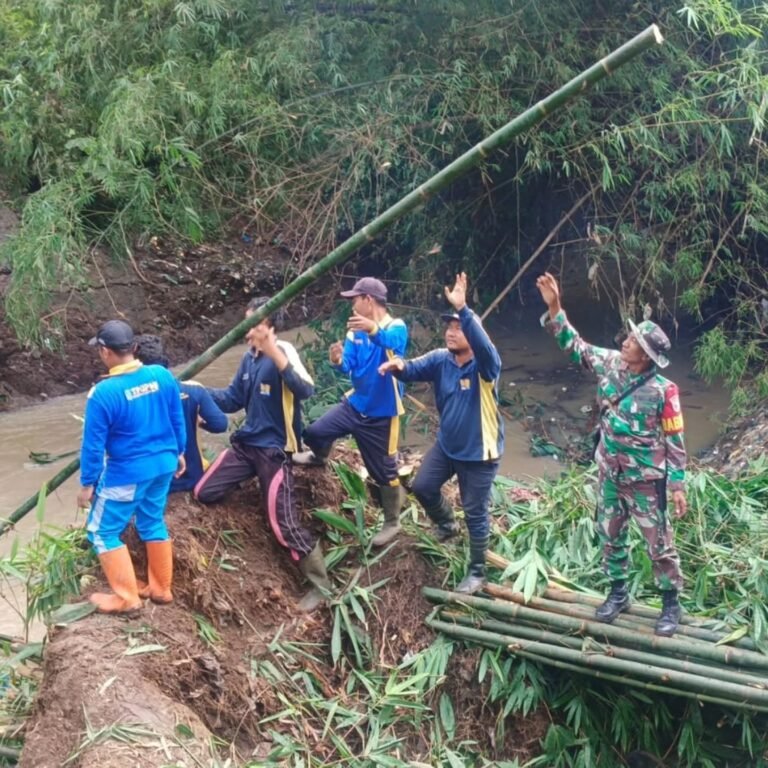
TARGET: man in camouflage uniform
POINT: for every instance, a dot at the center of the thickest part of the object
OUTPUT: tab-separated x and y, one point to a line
640	454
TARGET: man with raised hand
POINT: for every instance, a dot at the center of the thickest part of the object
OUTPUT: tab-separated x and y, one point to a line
133	443
371	410
640	454
270	384
470	437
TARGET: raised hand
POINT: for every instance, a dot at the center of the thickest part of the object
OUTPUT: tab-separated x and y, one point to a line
457	296
263	337
359	323
550	292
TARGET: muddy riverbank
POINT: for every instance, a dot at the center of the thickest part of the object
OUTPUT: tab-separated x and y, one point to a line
191	296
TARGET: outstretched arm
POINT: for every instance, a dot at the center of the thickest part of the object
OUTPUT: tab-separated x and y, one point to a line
213	419
419	369
232	398
567	337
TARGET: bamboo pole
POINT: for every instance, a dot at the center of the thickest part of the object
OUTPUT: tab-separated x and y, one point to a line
8	753
30	504
590	645
544	243
702	628
719	654
415	199
621	679
569	596
704	698
638	622
650	672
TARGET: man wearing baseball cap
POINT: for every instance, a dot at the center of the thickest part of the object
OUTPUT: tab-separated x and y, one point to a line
470	438
640	454
371	410
133	443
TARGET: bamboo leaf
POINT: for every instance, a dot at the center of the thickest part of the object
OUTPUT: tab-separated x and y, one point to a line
737	634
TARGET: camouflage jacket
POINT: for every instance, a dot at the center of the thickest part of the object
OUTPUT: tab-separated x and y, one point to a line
641	436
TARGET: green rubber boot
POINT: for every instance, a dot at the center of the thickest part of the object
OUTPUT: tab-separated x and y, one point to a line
392	499
313	568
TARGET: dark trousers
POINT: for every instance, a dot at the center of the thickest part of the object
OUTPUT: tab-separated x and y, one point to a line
273	468
375	437
475	483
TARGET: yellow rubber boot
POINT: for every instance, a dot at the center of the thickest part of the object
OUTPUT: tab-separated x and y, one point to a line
118	568
159	571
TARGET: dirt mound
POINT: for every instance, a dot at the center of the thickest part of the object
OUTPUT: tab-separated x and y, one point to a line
144	690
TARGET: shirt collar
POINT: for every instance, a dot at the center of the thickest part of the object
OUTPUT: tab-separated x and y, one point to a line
130	367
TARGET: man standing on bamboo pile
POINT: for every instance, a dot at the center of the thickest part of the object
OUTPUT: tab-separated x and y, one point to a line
270	384
371	410
470	438
640	453
133	443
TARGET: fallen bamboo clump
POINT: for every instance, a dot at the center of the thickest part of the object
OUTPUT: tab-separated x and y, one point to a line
562	633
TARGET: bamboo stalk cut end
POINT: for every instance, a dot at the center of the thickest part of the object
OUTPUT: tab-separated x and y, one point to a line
657	36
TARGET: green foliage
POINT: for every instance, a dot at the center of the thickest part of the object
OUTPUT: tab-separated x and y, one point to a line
175	117
380	709
49	568
722	543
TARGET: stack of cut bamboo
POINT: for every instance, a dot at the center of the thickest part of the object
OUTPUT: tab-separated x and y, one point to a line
559	629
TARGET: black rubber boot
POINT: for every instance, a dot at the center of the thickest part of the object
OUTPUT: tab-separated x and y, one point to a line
670	614
313	568
445	526
475	578
617	602
392	499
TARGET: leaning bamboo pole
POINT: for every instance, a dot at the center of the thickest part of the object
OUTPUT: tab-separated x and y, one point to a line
413	200
719	654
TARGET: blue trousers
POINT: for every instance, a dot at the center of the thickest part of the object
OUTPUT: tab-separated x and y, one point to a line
475	483
376	437
113	508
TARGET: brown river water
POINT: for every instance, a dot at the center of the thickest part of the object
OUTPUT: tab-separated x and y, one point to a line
535	370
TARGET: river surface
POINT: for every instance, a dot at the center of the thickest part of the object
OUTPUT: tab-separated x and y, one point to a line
535	372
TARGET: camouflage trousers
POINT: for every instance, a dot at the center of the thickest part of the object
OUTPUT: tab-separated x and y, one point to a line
646	501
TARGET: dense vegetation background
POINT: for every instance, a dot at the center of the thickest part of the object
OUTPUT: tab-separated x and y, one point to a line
303	120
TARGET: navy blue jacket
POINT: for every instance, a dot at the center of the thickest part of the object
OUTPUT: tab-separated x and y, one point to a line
271	399
467	398
196	402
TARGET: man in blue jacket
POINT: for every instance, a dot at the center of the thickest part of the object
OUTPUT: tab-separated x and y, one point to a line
199	410
270	384
133	443
470	438
371	410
